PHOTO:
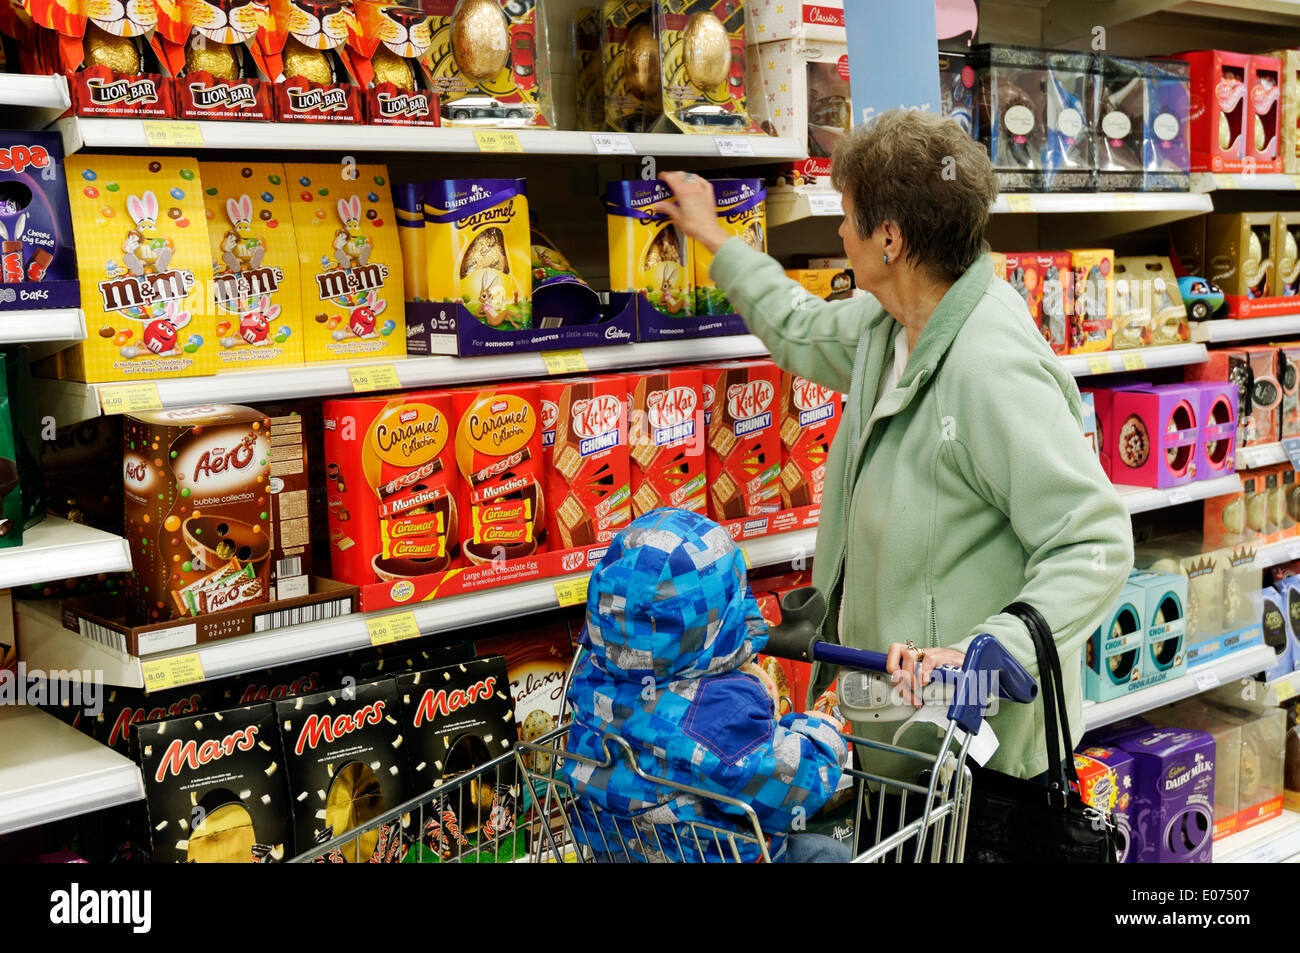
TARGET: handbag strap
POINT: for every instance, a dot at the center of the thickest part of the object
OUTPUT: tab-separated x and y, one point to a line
1057	726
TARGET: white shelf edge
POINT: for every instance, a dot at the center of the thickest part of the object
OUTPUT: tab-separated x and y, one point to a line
1221	330
39	99
56	549
1291	682
1271	842
1172	355
1260	455
1140	499
48	646
67	325
1257	658
1205	182
124	133
49	771
1066	203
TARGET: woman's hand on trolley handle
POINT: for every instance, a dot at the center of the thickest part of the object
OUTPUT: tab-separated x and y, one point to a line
906	663
693	209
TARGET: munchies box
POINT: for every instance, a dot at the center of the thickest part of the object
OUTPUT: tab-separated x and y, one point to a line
214	789
343	750
666	439
744	440
584	446
391	486
38	263
195	483
810	415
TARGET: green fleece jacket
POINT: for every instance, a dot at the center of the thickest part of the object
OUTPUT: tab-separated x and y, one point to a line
970	485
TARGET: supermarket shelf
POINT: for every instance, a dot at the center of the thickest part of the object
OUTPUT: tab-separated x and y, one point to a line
1272	842
49	771
1271	554
42	98
1244	181
1262	455
79	133
1067	20
1284	687
1113	362
1140	499
66	326
70	401
1245	329
47	645
57	549
1241	664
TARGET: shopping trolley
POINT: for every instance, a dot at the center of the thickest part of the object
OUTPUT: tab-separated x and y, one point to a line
522	806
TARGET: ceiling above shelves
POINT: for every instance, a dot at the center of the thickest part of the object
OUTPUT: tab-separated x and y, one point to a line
1067	20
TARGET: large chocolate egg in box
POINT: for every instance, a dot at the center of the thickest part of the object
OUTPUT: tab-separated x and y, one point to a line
646	252
347	765
196	489
215	787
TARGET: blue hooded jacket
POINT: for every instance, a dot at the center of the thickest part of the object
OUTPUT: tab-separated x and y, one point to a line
670	620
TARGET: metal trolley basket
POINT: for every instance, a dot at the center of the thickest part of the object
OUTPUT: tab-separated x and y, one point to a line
520	807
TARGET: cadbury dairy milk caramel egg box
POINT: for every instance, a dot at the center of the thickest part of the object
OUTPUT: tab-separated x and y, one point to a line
646	252
196	491
349	259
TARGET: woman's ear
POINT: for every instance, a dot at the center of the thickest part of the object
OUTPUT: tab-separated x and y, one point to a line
891	237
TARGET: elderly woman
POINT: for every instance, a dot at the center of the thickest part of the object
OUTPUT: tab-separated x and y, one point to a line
960	480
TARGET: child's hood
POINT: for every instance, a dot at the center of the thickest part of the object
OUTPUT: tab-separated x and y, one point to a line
671	599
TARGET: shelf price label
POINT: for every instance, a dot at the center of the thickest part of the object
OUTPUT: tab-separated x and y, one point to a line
1179	494
383	377
169	133
1224	180
825	203
397	627
1292	447
564	362
171	671
1205	680
1125	201
1134	361
1020	203
1284	690
497	140
572	592
129	398
734	146
612	144
1100	364
1293	551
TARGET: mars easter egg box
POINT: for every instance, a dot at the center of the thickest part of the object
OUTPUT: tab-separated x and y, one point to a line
214	787
346	765
143	254
350	261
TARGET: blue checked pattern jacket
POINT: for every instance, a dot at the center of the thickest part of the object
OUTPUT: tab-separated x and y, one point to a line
670	620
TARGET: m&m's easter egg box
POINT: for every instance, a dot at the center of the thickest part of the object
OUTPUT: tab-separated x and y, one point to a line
349	259
255	300
142	251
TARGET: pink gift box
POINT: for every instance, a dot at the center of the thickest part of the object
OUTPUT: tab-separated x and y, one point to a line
1156	433
1216	447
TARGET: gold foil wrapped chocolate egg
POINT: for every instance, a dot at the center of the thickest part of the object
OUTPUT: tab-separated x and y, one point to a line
217	58
706	51
641	61
1260	138
480	38
391	68
1225	132
118	53
311	65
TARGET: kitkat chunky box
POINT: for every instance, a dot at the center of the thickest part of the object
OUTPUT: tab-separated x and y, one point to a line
584	446
346	765
215	789
499	455
196	487
38	264
392	486
350	261
810	416
743	421
256	300
142	249
666	437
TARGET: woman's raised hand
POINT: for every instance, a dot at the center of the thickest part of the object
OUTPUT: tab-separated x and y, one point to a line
693	210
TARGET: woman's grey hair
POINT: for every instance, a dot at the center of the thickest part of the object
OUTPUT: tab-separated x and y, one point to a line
925	173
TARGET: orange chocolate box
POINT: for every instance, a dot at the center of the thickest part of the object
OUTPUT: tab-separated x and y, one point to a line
744	438
666	440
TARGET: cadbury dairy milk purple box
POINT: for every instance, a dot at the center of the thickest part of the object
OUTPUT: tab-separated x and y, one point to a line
1172	813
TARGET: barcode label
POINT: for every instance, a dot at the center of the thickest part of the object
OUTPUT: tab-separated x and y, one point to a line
281	618
289	566
102	634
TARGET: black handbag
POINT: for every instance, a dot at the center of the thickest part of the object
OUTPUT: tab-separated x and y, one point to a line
1014	820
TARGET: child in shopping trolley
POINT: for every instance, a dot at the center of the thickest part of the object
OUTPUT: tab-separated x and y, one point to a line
672	630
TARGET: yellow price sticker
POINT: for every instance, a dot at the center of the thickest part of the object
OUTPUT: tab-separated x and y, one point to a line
129	398
1021	203
1284	690
172	670
572	592
1100	364
497	140
1135	361
383	377
397	627
1225	181
1125	200
169	133
564	362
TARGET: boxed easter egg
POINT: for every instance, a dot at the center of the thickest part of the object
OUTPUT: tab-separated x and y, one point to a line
38	266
